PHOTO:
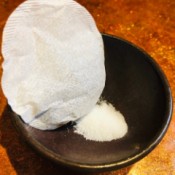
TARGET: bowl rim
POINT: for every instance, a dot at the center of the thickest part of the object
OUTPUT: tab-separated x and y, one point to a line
115	165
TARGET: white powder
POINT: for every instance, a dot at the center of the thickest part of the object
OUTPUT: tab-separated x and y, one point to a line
103	123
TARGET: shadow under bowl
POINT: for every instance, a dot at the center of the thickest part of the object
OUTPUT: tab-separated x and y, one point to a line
137	87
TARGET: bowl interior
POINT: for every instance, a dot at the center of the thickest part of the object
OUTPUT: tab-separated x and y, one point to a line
137	88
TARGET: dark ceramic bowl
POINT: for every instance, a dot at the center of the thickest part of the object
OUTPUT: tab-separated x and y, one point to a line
137	87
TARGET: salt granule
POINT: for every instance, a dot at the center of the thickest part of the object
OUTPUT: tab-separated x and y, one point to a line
103	123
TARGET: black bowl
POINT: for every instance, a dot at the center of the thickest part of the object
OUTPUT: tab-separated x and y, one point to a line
137	87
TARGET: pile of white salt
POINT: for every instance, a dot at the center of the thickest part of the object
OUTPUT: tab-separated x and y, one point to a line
103	123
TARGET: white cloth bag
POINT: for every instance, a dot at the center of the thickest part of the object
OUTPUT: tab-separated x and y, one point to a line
53	69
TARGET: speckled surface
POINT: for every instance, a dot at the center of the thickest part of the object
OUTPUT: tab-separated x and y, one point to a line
147	23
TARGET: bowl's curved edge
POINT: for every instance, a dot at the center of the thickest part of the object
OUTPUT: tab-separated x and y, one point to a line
115	165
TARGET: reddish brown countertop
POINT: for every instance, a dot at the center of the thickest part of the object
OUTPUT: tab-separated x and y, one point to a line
149	24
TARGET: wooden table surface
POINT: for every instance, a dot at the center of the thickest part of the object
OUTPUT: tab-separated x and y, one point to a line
150	24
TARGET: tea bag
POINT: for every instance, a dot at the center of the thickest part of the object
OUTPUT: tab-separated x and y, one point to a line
53	69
